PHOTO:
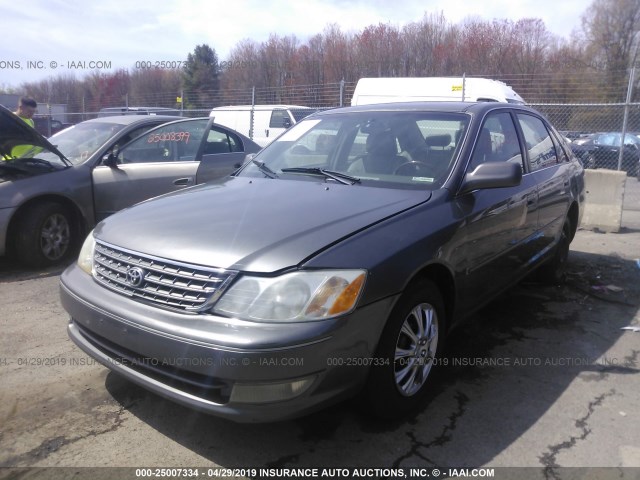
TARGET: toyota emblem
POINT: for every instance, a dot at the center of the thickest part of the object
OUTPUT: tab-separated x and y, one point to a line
135	276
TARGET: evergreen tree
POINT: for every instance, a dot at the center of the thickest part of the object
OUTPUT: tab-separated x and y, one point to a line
201	78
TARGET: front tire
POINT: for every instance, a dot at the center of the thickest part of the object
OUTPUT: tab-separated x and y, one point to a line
410	347
44	235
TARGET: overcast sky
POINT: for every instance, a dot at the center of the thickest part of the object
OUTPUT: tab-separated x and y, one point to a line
52	37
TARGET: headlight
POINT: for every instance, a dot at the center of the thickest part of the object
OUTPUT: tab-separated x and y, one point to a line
85	259
293	297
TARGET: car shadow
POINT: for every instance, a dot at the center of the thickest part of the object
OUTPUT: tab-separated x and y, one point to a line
507	366
11	270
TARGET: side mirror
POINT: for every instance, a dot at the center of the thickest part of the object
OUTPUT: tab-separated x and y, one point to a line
286	122
492	175
111	158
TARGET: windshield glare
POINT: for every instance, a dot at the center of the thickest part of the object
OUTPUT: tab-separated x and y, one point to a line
380	148
81	141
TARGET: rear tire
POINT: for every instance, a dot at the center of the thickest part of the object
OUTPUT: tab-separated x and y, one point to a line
410	348
44	235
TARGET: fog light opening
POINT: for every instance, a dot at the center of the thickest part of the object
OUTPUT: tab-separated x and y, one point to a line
270	392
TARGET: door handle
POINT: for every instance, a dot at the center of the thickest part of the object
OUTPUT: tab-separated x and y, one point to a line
182	182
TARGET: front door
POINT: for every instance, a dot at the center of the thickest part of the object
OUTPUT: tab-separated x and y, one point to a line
499	222
163	160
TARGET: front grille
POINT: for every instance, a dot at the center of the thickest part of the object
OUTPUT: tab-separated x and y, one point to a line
164	283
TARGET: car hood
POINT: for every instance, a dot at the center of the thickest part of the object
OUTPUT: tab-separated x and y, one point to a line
14	131
258	225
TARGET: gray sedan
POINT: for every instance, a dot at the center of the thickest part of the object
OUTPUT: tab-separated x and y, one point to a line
334	263
52	194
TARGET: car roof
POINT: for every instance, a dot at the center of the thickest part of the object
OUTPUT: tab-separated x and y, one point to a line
260	107
129	119
449	107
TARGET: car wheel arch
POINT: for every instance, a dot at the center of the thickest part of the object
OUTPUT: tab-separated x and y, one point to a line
573	215
79	222
444	280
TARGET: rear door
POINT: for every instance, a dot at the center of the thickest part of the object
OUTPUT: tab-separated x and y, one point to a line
550	169
223	152
162	160
260	128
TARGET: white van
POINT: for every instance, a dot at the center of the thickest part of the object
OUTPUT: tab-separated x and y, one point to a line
432	89
269	121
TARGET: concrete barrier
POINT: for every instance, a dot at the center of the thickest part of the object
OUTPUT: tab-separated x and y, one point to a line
604	196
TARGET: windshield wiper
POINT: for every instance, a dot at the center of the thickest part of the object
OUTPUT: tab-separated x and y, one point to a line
37	161
36	150
337	176
264	169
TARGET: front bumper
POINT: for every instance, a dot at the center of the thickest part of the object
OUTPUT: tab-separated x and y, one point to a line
202	361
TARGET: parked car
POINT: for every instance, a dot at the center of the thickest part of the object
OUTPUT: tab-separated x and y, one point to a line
602	150
572	135
51	196
335	262
110	111
48	126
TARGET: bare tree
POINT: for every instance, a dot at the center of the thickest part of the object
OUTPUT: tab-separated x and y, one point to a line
241	71
425	44
611	30
337	60
155	87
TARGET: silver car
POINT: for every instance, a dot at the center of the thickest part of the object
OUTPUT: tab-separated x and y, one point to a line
53	193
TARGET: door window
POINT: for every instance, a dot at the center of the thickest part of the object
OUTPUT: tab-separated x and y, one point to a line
168	143
497	141
280	119
221	141
542	152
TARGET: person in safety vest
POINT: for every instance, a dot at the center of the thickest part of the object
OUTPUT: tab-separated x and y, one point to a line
26	108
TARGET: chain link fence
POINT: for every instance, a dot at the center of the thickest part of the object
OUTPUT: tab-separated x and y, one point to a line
595	132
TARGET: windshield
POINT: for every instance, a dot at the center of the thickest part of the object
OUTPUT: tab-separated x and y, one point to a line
613	139
406	149
299	113
81	141
14	156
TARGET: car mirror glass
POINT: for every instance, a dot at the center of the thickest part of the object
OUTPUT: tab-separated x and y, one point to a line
111	158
